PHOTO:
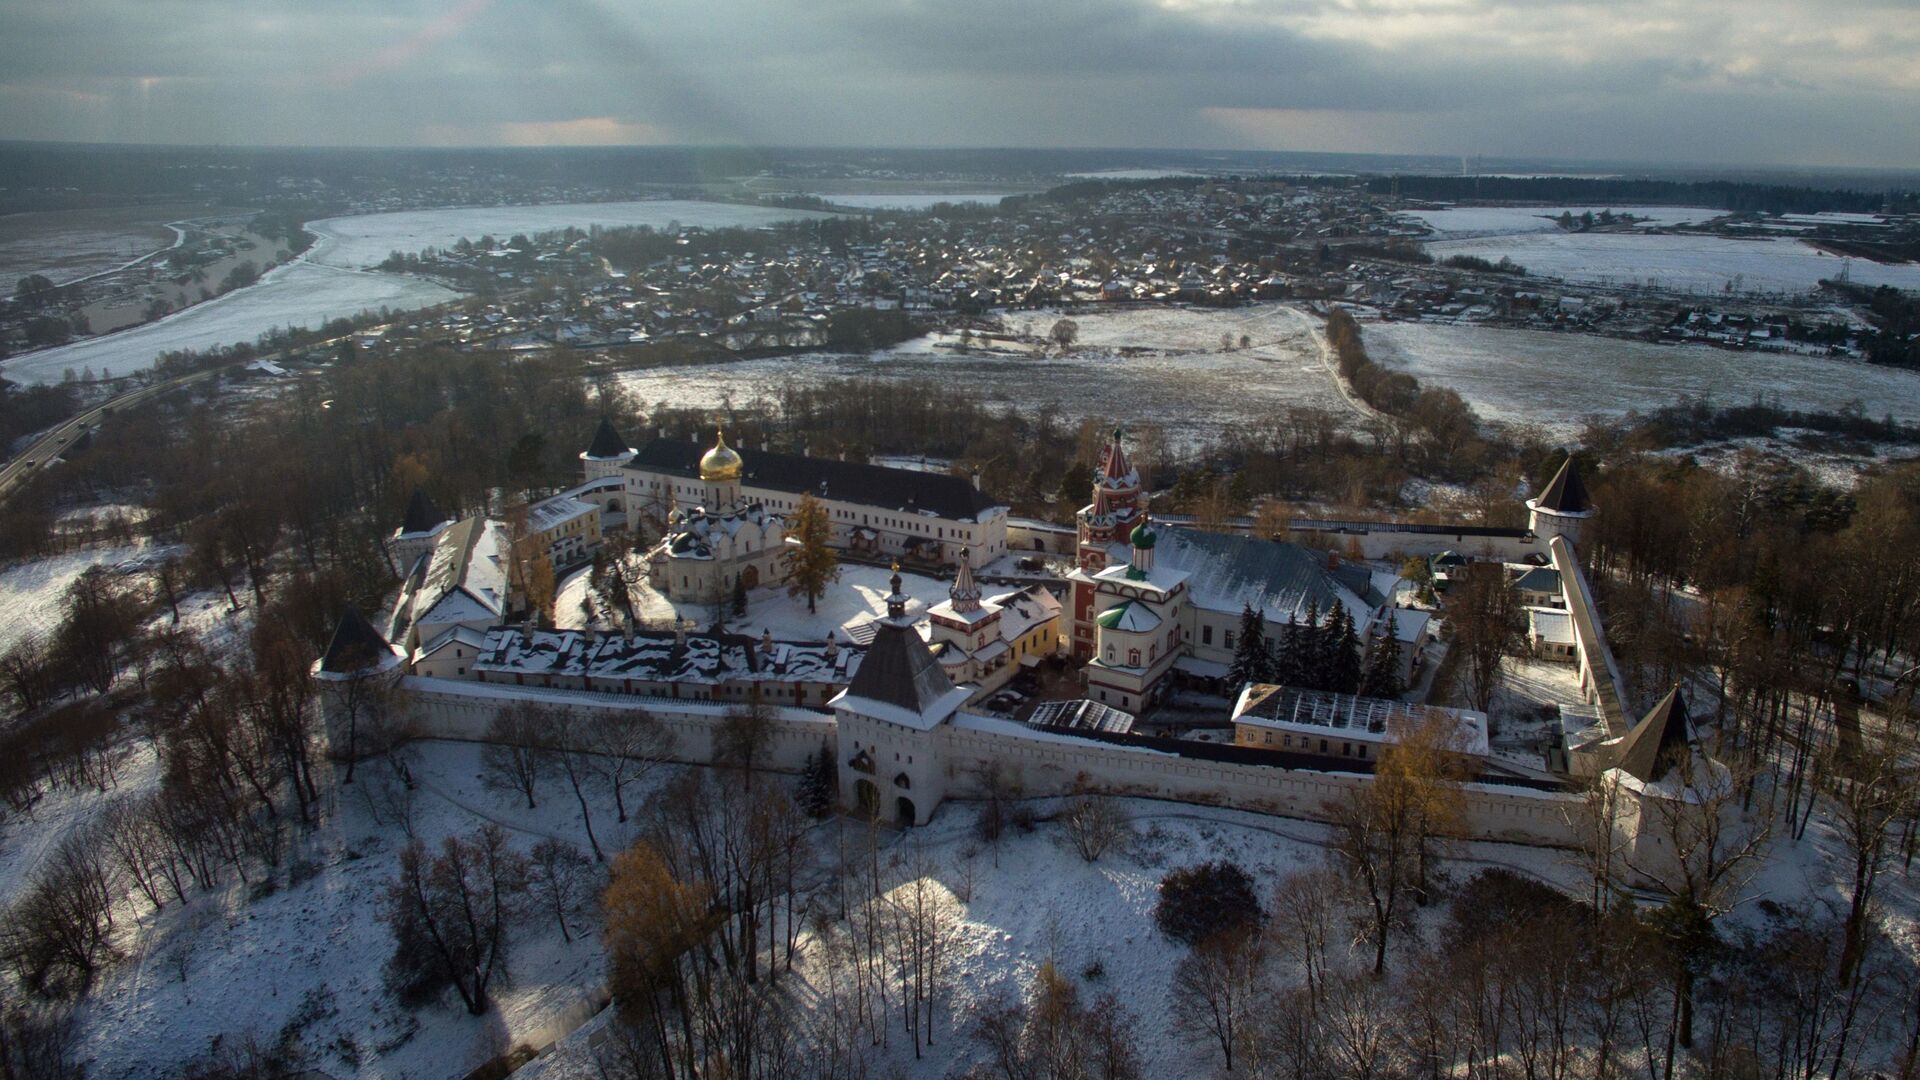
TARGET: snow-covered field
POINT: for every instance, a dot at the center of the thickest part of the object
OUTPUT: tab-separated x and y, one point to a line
1179	378
30	592
1462	222
329	281
318	944
1699	264
1556	380
1037	900
66	245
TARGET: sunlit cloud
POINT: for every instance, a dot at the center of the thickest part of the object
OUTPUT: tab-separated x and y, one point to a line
1699	80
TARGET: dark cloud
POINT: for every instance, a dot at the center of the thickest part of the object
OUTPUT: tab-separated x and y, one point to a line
1828	80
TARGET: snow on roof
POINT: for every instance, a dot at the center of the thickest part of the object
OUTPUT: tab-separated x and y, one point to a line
659	656
1551	625
1024	609
1082	713
552	513
1228	573
1130	616
1284	708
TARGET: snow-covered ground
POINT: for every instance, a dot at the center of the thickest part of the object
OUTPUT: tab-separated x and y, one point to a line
318	944
858	596
329	281
1463	222
1555	379
1178	377
1037	900
30	592
1698	264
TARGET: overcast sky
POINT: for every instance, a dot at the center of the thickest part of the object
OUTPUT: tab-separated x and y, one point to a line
1812	82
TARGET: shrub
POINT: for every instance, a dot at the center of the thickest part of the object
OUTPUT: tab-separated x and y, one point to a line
1197	902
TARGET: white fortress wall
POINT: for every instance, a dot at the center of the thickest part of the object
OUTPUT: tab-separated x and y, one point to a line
1045	763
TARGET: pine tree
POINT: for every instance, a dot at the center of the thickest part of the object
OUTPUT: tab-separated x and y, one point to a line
1382	677
811	562
739	596
1250	660
1287	667
1344	671
816	790
1313	651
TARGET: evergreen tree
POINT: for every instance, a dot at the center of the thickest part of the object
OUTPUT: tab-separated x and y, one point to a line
1382	676
815	795
1313	651
1344	671
739	596
1287	667
1250	661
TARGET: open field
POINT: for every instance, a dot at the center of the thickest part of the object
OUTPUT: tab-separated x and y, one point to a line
1176	375
1676	263
1557	380
1462	222
69	244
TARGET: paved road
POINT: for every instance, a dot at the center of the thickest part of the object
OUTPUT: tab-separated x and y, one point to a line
59	440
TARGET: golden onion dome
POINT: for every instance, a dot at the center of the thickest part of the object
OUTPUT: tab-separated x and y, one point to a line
720	463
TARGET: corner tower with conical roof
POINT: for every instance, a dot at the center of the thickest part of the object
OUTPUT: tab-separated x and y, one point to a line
607	454
420	529
1562	507
889	758
357	674
1116	507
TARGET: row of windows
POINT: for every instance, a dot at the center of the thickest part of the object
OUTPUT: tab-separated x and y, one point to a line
1347	749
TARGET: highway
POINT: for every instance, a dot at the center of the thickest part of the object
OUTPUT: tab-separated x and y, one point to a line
59	440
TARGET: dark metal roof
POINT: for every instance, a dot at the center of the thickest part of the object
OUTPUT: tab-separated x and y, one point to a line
869	485
1565	492
421	515
607	442
1659	742
1328	525
356	645
899	669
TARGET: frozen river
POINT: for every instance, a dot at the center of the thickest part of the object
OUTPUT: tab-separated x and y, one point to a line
1177	375
330	281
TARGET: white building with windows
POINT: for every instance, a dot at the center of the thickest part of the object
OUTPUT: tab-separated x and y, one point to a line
918	517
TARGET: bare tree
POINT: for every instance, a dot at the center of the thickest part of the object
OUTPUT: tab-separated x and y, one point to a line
515	756
1870	784
1483	621
565	735
561	876
451	913
1216	984
1094	824
1384	829
627	746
